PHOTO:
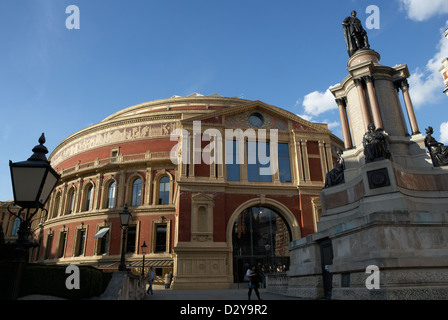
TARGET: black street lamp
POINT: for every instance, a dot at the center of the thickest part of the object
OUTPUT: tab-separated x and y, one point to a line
125	217
33	181
144	246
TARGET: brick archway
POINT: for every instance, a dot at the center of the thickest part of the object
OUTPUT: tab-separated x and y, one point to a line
240	254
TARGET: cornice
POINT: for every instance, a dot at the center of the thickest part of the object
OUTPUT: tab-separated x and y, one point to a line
177	101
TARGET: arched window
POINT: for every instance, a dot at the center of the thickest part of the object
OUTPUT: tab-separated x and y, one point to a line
111	195
89	200
70	201
57	201
164	190
136	192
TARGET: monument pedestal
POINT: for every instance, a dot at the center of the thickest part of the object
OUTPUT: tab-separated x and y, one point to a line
381	219
409	249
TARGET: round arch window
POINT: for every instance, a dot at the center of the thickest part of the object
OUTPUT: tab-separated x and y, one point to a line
256	119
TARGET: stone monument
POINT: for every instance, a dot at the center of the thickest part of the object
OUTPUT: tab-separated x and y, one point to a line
390	211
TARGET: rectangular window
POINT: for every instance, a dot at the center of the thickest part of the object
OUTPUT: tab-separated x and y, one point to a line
113	155
103	242
48	247
81	241
232	166
258	154
161	238
130	239
62	242
284	166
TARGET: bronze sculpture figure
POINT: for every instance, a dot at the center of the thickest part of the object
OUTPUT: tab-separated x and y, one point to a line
336	176
374	143
355	35
438	151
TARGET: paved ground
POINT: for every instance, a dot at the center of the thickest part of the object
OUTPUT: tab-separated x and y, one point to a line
160	293
227	294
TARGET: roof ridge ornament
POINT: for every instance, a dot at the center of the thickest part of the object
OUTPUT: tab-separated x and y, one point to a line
40	150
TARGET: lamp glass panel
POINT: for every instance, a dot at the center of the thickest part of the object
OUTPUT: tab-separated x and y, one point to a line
48	187
125	217
27	181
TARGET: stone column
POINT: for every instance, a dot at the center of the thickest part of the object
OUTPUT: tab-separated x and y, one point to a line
299	165
77	206
374	102
344	123
323	158
148	186
121	197
329	156
306	166
191	156
363	103
409	107
97	192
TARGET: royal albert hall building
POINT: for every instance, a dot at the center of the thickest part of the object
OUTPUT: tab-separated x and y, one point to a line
204	221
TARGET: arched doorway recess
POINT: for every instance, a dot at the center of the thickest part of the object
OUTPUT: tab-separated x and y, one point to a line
260	235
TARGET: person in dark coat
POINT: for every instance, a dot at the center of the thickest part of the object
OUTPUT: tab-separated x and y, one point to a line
254	281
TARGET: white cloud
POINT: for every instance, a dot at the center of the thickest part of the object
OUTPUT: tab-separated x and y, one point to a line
424	87
333	125
316	103
427	85
444	132
420	10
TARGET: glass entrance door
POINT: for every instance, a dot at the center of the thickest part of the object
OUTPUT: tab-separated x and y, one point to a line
260	237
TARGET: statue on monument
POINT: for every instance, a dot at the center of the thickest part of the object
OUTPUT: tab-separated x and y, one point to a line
374	143
438	151
336	176
355	35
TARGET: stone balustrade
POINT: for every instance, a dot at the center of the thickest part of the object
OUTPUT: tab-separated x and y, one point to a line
124	286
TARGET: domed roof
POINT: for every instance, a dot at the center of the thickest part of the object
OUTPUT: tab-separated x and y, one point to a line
163	105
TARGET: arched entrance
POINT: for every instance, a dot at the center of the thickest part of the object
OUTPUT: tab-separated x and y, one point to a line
260	236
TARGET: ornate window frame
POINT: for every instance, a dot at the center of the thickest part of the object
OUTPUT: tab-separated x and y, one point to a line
154	225
130	189
85	191
96	246
156	187
71	196
77	239
105	193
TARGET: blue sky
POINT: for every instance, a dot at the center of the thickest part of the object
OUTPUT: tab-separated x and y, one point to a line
285	52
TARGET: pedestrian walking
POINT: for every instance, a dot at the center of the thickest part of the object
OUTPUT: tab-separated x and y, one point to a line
254	281
263	277
150	280
167	280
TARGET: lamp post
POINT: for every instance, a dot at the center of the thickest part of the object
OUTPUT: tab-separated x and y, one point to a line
125	217
33	181
144	246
